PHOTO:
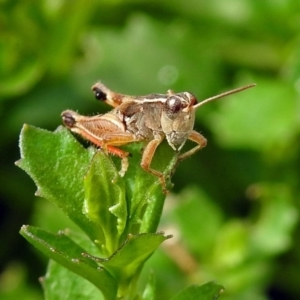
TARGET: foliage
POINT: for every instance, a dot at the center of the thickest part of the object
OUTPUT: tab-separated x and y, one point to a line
119	216
234	207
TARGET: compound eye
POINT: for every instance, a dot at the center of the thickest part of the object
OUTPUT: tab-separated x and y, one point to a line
173	105
99	94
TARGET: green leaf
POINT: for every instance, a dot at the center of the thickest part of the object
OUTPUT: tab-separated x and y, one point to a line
145	190
60	283
207	291
126	264
66	252
58	163
87	187
105	201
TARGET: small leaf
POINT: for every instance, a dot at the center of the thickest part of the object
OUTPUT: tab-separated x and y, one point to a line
58	163
60	283
63	250
134	252
207	291
145	190
125	265
105	202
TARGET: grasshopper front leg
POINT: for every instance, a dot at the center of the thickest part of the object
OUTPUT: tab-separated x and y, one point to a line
152	146
199	139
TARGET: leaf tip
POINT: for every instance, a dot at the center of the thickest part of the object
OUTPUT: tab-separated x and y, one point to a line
18	162
25	126
24	230
38	193
42	281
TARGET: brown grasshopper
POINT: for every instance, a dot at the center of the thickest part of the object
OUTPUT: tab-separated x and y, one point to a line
149	118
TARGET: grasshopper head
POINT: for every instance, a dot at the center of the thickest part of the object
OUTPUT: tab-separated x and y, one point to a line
178	115
179	103
177	119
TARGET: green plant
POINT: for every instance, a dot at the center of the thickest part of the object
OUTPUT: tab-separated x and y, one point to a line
118	218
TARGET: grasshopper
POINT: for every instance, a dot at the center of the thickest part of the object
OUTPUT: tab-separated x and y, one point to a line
149	118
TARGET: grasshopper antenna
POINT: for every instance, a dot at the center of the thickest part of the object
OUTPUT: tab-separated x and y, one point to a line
224	94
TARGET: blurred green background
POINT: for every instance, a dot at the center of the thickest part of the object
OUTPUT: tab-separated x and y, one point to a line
234	210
